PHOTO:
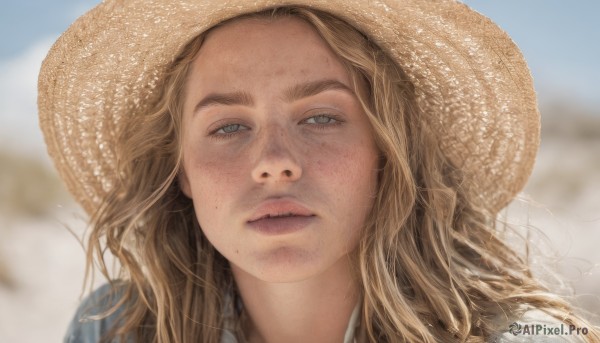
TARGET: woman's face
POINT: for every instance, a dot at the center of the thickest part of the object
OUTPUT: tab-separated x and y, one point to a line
273	128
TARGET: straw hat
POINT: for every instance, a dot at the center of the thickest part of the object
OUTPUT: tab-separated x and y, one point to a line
472	83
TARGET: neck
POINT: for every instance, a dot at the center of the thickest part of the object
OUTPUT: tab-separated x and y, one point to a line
313	310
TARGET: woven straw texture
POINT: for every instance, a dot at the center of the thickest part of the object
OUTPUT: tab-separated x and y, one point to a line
472	82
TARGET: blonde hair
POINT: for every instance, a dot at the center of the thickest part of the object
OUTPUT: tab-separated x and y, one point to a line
431	265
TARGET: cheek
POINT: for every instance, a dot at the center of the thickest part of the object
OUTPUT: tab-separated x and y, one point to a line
214	180
350	168
211	169
349	177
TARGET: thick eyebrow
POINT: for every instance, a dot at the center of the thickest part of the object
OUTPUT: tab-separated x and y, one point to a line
296	92
235	98
307	89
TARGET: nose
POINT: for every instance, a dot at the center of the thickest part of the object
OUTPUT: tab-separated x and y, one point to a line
276	161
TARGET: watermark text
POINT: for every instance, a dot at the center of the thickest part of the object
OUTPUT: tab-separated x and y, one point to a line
519	329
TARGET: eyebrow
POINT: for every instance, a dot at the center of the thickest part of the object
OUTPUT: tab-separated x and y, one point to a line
295	92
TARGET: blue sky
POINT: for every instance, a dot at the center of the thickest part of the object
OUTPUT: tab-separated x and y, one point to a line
22	23
559	39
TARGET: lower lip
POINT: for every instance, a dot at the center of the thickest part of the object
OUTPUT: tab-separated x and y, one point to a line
281	225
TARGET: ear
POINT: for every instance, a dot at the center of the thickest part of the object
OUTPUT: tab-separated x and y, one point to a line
184	183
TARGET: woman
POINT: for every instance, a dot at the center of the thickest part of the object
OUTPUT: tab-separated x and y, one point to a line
322	172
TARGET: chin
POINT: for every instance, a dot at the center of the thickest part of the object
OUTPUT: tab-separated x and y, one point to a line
284	265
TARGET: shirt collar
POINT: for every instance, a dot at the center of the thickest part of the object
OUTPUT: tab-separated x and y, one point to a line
228	335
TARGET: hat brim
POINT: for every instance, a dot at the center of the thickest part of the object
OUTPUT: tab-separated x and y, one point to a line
472	84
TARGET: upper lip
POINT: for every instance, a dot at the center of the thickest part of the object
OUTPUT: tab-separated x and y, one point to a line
279	207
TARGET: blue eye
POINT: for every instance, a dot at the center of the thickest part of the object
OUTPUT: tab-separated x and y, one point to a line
231	128
322	121
227	131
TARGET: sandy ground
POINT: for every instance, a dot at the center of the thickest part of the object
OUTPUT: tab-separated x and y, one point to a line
45	262
566	186
46	267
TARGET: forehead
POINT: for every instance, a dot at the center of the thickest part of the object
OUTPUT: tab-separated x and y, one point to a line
264	50
265	39
238	33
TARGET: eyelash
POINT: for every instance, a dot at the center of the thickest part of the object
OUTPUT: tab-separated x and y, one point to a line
336	118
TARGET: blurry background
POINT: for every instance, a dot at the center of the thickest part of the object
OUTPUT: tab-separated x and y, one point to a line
41	262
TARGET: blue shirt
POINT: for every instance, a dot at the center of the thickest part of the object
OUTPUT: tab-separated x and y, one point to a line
84	329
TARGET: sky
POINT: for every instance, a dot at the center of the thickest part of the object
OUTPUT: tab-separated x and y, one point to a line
557	38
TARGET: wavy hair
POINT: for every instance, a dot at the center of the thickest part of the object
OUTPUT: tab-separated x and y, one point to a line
431	264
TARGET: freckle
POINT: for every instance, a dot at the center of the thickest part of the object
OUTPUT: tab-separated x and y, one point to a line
237	251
